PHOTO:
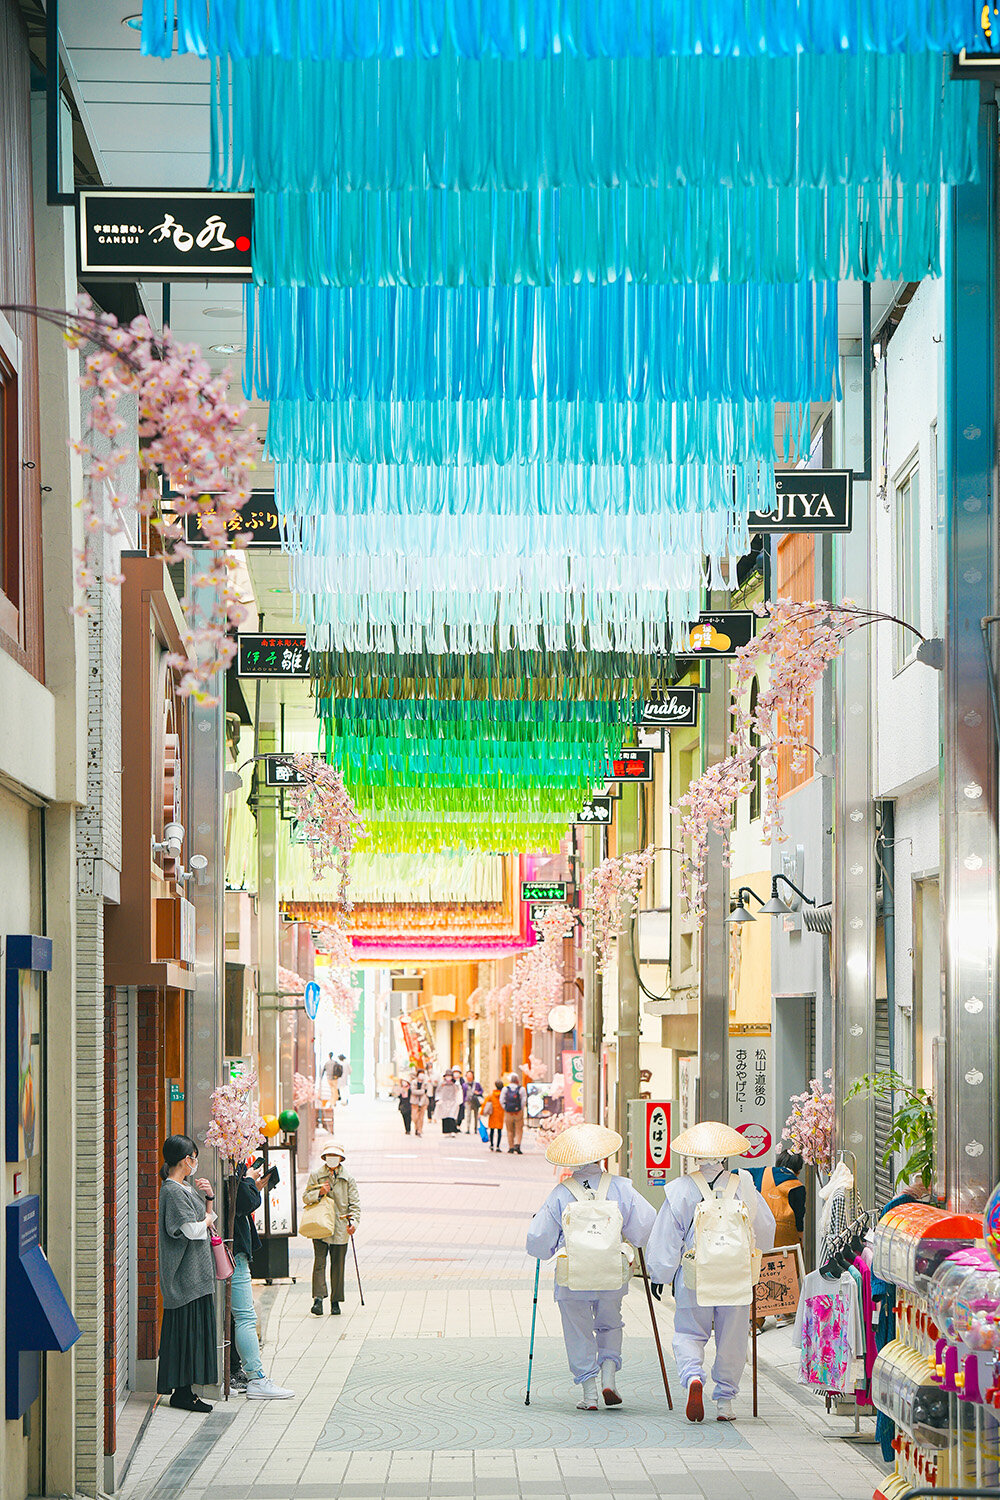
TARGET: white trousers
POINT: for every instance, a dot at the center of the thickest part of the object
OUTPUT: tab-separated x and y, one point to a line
592	1330
692	1330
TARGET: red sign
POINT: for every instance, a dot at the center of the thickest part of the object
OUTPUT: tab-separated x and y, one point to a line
759	1137
658	1133
632	765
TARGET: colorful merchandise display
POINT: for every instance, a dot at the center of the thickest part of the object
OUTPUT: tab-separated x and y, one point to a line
934	1378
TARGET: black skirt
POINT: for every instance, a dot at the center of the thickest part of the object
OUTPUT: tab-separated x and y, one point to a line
187	1346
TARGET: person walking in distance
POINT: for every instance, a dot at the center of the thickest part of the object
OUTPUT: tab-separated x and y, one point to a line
419	1095
589	1222
515	1101
492	1114
187	1278
246	1242
344	1080
405	1104
449	1103
703	1242
473	1102
330	1180
329	1087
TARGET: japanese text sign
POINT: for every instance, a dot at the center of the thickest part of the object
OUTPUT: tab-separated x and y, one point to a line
164	234
595	812
751	1095
272	656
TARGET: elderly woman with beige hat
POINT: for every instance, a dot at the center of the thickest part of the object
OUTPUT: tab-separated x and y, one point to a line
592	1313
709	1144
331	1181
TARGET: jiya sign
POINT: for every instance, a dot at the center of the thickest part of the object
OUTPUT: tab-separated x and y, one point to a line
751	1095
808	500
164	234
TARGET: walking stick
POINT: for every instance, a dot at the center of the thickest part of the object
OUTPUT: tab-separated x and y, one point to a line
356	1271
656	1331
753	1346
531	1345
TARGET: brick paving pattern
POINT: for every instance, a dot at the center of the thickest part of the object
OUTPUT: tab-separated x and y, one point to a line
420	1393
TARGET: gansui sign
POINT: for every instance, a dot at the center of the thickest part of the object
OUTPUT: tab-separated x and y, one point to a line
808	500
166	235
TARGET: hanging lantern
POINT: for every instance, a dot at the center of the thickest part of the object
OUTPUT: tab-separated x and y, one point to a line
562	1018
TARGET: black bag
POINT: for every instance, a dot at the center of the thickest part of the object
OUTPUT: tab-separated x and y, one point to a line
338	1070
511	1099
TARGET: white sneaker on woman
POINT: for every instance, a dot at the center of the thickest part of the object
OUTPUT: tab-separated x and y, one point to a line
263	1389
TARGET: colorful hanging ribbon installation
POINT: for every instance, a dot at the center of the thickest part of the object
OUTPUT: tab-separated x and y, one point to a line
536	282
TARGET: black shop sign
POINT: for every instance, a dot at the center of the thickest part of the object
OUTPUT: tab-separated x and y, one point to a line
670	708
258	519
720	633
595	814
632	765
164	235
809	500
272	656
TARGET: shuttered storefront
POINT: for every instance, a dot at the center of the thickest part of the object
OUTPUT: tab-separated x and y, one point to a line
883	1107
125	1176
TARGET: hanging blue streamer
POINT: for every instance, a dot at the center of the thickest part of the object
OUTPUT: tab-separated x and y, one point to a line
597	235
522	126
623	342
355	29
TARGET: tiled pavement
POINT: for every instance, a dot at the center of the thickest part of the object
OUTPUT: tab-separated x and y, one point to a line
419	1395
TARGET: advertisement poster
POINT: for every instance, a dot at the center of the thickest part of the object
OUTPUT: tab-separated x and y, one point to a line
657	1134
751	1095
572	1067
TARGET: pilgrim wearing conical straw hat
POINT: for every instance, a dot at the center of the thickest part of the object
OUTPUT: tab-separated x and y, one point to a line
593	1205
706	1147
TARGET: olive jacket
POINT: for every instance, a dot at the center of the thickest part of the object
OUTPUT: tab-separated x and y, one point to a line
344	1191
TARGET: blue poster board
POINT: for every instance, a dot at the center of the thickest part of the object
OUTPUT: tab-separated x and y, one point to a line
27	958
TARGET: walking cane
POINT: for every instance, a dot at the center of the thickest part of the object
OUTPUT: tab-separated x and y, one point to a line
753	1345
356	1271
656	1331
531	1345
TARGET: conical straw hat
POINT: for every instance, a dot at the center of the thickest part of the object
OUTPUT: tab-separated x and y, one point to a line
581	1144
711	1140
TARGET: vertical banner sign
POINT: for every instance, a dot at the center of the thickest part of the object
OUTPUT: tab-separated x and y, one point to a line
751	1095
657	1136
572	1068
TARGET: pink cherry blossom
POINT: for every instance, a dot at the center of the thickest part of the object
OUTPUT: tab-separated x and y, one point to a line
236	1126
810	1126
329	818
610	893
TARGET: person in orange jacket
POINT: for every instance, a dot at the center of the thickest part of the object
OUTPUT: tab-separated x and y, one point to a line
491	1115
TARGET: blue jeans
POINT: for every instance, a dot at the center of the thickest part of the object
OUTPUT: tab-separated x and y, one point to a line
245	1320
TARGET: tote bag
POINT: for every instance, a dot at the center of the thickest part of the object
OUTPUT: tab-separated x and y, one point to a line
318	1221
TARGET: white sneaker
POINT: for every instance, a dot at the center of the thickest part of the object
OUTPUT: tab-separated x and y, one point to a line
609	1385
266	1390
588	1393
724	1411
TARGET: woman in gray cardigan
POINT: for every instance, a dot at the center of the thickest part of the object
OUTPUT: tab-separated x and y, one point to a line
187	1278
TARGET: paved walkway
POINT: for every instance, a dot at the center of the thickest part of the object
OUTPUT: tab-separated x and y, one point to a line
420	1393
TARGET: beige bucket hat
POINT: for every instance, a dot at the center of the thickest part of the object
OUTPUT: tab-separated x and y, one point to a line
711	1140
334	1149
581	1144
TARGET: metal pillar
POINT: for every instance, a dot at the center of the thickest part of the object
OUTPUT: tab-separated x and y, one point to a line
593	1024
969	782
206	753
853	979
713	971
267	929
628	982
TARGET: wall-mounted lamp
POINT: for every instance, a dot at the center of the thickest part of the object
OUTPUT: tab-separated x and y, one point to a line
173	841
199	862
773	907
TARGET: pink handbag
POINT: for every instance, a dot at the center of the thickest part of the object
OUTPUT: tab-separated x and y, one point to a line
221	1254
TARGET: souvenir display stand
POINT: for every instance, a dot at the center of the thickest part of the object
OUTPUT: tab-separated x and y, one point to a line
929	1380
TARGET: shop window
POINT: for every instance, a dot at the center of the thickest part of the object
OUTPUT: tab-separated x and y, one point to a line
796	579
906	604
10	488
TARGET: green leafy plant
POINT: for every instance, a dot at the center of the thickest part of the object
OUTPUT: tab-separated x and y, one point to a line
913	1121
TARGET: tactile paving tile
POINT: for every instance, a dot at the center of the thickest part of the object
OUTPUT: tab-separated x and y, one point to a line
407	1395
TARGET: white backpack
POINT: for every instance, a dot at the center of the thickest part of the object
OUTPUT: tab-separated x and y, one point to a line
593	1258
724	1264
